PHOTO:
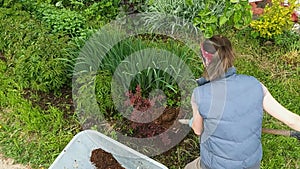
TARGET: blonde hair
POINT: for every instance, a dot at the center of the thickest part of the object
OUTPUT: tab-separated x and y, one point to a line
223	57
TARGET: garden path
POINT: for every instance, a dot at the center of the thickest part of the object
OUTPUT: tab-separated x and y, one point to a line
6	163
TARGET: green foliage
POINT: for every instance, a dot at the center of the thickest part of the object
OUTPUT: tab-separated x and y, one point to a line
26	131
101	12
275	20
169	14
150	78
73	16
10	4
103	94
181	8
209	16
223	14
288	39
132	6
80	5
60	20
33	52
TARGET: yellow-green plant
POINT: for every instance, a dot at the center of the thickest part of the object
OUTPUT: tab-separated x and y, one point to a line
275	20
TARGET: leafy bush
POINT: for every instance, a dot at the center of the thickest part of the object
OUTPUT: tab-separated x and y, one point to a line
58	20
80	5
10	3
275	20
133	6
288	40
186	9
218	15
178	13
73	17
34	54
208	16
101	12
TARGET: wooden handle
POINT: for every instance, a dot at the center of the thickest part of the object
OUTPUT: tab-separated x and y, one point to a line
277	132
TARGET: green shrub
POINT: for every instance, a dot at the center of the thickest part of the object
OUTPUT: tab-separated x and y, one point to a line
133	6
219	15
62	20
73	17
33	54
181	8
288	40
275	20
100	13
10	3
80	4
209	16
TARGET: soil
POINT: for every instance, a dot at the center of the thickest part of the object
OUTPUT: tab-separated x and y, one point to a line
6	163
145	130
104	160
2	57
62	100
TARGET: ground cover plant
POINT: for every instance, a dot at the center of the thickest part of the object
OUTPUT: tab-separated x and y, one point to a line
37	117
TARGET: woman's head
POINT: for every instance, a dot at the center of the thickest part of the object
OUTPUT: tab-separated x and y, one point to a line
217	55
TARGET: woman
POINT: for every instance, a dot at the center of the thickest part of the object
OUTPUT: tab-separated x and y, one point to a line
228	112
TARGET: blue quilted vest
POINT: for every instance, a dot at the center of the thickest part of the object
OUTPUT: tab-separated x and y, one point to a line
232	113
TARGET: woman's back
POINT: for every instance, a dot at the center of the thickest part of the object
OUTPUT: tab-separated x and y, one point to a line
232	116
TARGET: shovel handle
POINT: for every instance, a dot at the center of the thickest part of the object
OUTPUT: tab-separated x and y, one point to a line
277	132
288	133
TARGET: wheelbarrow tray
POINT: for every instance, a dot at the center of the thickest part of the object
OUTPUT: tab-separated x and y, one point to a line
76	155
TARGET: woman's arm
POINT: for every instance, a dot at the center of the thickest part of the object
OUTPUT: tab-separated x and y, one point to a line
275	109
197	124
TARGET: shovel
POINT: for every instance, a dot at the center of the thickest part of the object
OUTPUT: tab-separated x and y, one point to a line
288	133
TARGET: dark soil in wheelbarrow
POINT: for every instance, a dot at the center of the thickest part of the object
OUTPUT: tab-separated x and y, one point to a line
104	160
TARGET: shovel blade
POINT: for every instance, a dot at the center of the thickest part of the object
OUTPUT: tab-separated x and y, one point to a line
184	121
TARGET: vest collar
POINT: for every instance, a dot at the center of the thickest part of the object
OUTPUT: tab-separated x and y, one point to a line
230	72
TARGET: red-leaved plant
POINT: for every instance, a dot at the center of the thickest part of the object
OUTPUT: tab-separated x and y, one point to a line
144	114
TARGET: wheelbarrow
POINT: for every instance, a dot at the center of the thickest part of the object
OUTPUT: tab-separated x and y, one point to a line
76	155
